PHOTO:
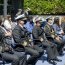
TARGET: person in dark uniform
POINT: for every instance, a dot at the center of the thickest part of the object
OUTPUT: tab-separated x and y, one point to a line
40	40
52	36
20	35
7	53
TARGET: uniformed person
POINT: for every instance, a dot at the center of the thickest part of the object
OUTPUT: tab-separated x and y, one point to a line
52	36
6	52
40	40
20	35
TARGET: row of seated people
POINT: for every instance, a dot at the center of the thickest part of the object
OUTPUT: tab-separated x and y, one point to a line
8	54
19	37
11	51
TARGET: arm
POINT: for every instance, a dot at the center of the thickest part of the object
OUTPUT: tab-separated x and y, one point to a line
35	33
17	36
47	31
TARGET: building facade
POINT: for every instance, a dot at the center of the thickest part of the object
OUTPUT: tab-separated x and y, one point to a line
10	6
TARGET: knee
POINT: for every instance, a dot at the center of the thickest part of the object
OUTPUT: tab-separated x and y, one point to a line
36	54
15	58
41	51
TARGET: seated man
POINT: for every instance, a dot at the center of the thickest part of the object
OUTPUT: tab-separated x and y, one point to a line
20	35
40	40
6	52
52	36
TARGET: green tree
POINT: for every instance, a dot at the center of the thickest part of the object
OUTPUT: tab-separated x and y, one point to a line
45	6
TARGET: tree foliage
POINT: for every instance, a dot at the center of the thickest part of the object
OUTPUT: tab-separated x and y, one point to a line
45	6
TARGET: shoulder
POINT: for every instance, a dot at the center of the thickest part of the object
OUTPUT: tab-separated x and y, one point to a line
34	27
46	26
54	25
17	28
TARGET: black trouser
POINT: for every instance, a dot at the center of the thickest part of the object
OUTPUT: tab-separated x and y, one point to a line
39	49
22	57
14	58
35	53
60	47
60	44
50	49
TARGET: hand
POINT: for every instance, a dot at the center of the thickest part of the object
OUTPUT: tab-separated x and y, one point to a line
62	33
58	39
8	33
52	36
24	43
41	39
6	49
30	40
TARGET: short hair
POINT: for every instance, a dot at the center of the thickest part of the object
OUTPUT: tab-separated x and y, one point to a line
56	19
37	22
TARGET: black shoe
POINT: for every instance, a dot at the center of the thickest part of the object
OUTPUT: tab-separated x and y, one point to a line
58	60
52	62
61	54
64	49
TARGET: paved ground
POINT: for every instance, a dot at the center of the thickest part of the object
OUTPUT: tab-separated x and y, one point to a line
43	61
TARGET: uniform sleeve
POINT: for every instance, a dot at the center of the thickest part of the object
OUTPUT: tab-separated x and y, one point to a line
47	31
17	36
2	35
35	33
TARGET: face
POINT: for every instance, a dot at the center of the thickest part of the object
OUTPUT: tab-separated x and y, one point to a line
38	24
21	22
10	18
50	22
